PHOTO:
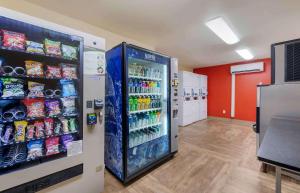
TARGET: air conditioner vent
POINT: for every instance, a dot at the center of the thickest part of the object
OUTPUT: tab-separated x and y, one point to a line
292	62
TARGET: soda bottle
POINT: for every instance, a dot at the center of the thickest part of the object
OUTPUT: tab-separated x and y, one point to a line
142	71
143	87
158	87
158	102
130	86
135	102
154	87
134	121
158	116
130	122
130	104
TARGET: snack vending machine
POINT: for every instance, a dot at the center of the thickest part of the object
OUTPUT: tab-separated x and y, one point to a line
138	111
40	106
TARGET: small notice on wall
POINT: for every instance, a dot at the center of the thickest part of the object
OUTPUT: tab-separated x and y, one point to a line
94	63
75	148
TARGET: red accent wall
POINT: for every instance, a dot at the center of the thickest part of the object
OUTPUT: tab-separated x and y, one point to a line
219	89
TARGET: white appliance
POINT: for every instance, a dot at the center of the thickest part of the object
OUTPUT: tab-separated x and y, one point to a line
192	97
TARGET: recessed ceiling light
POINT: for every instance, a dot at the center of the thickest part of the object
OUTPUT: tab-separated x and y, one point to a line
245	53
222	29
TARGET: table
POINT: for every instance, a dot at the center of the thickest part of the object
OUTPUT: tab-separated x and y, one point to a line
281	146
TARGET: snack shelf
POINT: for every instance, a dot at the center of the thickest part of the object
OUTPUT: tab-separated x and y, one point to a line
60	58
39	118
38	138
146	141
144	110
144	127
37	77
3	166
145	94
144	78
45	97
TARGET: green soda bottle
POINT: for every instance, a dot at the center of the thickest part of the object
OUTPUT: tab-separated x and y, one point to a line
135	102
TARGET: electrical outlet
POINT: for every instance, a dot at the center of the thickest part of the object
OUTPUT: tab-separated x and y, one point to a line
224	111
99	168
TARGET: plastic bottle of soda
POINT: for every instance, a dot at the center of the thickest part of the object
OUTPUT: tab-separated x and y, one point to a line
130	103
158	87
135	103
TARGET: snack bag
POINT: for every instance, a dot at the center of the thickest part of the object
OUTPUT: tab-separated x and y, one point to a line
34	68
34	47
7	136
52	107
35	107
52	47
49	124
57	127
69	52
65	125
13	40
67	141
53	71
20	131
69	107
35	149
68	88
30	132
35	89
39	129
13	87
69	71
52	146
72	125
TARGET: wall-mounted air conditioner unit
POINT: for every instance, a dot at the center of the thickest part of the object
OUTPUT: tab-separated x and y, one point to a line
247	68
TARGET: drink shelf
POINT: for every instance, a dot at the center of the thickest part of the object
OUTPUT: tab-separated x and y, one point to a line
24	52
144	94
145	78
144	127
145	110
135	145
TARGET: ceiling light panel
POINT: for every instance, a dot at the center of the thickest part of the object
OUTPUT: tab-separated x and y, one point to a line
245	53
222	30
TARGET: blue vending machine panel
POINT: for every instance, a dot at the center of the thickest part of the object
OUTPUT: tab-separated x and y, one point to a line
148	113
113	112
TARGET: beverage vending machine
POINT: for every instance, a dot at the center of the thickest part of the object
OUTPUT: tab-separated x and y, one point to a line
138	111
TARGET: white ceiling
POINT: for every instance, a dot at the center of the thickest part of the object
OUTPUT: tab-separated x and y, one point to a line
177	27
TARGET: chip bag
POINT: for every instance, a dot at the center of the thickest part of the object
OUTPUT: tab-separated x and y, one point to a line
20	130
68	88
34	47
13	39
35	89
52	47
52	107
69	52
65	125
49	126
67	141
69	71
39	129
52	146
30	132
35	149
69	107
72	125
34	68
53	71
12	87
35	107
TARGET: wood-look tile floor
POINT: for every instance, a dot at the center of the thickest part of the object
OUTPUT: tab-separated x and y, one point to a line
215	156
